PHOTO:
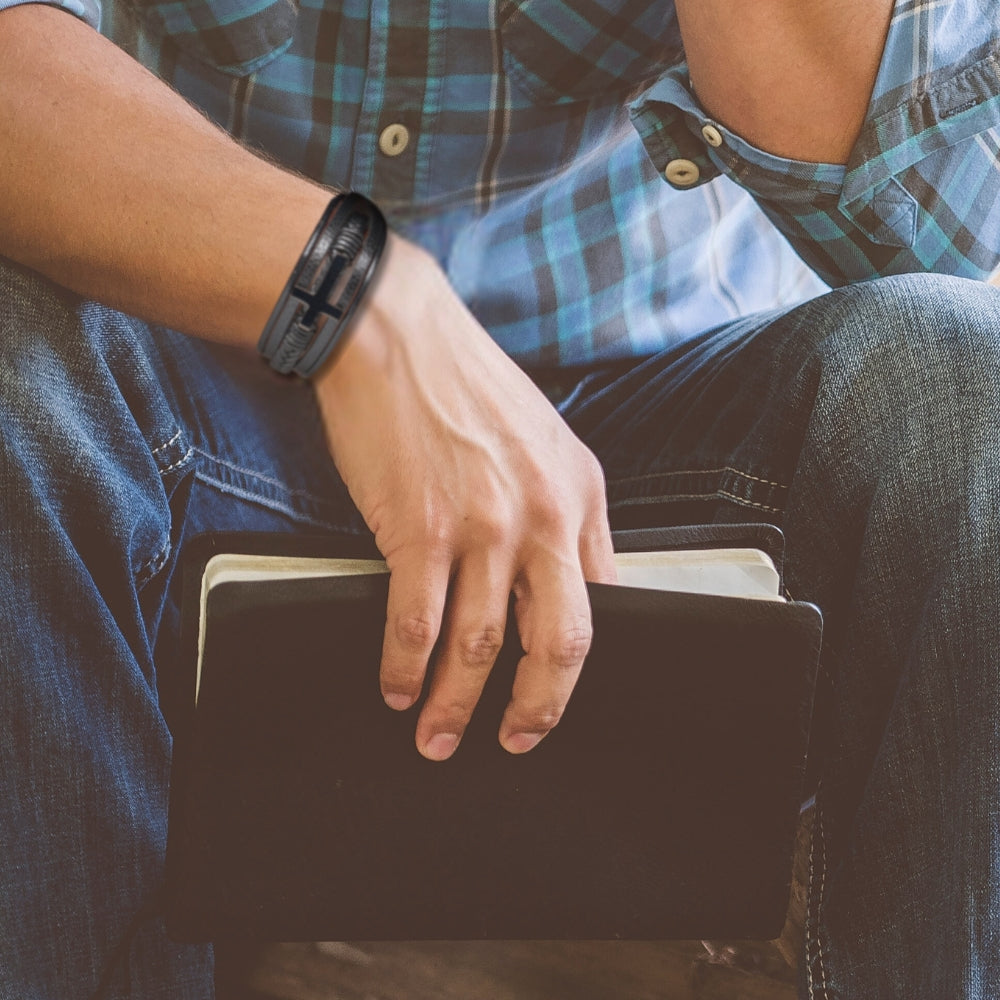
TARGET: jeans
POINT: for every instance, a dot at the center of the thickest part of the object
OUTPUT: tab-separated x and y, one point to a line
865	423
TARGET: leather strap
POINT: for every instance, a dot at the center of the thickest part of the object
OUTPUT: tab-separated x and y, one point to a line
310	319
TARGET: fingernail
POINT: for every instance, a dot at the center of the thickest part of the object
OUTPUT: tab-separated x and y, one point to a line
441	746
522	742
399	702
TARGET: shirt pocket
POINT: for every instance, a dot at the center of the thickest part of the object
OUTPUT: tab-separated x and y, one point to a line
558	52
233	36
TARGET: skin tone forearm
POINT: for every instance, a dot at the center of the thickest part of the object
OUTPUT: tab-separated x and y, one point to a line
115	187
473	485
793	77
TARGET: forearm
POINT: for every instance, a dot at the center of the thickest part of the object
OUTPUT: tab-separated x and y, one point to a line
793	77
114	186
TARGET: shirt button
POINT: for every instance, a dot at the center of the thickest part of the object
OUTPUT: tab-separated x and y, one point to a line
682	173
394	139
711	135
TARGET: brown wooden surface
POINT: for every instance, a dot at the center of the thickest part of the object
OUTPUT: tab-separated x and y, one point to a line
497	970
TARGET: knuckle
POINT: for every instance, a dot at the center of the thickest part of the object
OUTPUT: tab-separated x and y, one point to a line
594	476
495	530
547	508
480	648
541	718
415	633
452	716
449	716
592	468
401	678
569	646
435	534
438	539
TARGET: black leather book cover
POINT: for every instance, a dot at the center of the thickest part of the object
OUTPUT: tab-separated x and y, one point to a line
663	806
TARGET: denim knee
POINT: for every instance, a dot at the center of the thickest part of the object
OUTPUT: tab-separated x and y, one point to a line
913	340
893	513
91	446
906	376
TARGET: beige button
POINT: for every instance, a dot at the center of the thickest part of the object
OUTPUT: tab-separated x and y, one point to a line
394	139
682	173
711	135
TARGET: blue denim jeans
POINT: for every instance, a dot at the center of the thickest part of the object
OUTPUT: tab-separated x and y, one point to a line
866	423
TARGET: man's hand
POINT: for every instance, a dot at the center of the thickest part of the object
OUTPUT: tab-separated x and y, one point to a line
474	488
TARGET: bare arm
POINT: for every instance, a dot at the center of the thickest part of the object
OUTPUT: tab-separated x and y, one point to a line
793	77
472	483
112	185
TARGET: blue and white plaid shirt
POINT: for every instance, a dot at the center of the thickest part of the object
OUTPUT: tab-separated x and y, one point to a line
552	154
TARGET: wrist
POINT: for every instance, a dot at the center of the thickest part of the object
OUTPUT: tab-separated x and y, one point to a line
310	320
278	249
264	238
396	309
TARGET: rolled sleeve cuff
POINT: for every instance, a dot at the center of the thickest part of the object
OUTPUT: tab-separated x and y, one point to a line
901	203
86	10
674	126
669	121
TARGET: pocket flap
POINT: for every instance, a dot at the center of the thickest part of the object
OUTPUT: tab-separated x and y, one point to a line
559	51
234	36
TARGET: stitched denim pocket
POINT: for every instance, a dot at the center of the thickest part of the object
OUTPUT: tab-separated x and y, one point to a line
233	36
559	51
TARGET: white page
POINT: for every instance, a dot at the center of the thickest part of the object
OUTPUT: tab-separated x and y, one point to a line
737	572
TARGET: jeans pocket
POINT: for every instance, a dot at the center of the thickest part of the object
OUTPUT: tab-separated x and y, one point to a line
233	37
558	51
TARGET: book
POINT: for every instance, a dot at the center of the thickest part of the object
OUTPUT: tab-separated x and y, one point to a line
733	572
664	804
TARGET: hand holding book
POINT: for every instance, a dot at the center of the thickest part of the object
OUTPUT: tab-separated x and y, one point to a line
474	488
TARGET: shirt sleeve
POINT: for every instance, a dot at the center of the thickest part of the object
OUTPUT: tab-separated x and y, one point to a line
921	188
86	10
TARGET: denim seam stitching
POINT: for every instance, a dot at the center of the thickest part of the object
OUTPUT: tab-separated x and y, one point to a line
152	566
176	465
701	472
258	475
268	502
748	503
273	504
167	444
269	499
814	945
147	570
667	498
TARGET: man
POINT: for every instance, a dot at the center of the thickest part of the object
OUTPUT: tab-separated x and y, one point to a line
560	175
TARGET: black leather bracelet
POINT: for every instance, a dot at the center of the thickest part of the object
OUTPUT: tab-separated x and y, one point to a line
308	322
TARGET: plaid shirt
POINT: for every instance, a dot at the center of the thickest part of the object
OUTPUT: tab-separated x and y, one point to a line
553	157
